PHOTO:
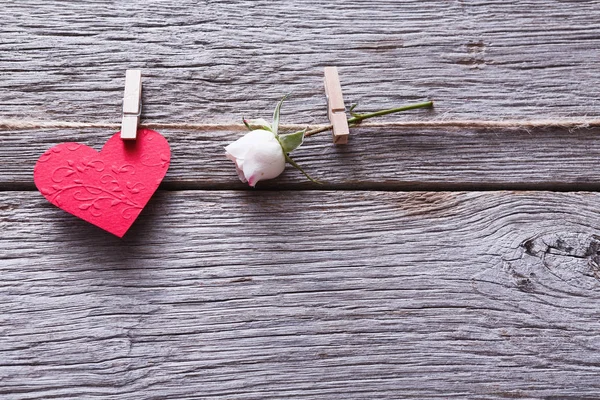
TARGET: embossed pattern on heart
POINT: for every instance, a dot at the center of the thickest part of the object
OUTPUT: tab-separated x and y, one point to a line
108	188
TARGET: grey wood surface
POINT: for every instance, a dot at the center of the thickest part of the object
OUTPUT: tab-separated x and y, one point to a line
389	159
217	62
361	289
225	294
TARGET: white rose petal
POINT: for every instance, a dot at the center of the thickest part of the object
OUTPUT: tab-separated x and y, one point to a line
257	156
239	148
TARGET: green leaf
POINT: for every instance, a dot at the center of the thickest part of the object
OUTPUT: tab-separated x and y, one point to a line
276	113
293	163
291	141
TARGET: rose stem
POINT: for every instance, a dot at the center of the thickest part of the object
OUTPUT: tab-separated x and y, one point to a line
356	118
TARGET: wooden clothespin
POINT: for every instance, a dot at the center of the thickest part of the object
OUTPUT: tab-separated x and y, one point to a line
336	110
132	104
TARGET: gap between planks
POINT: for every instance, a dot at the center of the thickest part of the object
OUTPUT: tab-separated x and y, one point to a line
401	187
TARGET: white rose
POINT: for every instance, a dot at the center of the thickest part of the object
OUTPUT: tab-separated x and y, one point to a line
258	156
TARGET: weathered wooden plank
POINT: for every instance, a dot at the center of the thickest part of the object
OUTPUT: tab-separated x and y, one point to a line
479	295
374	159
365	294
219	60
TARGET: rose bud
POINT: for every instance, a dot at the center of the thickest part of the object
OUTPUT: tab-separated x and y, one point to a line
258	156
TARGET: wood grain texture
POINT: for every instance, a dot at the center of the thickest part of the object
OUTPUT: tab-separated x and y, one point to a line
398	159
360	294
479	295
220	60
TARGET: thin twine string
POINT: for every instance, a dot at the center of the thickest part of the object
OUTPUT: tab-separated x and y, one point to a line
18	124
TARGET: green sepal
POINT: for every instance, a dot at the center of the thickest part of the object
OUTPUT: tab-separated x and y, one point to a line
291	141
293	163
276	113
253	124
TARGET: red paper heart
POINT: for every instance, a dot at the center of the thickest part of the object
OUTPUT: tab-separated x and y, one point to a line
108	189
